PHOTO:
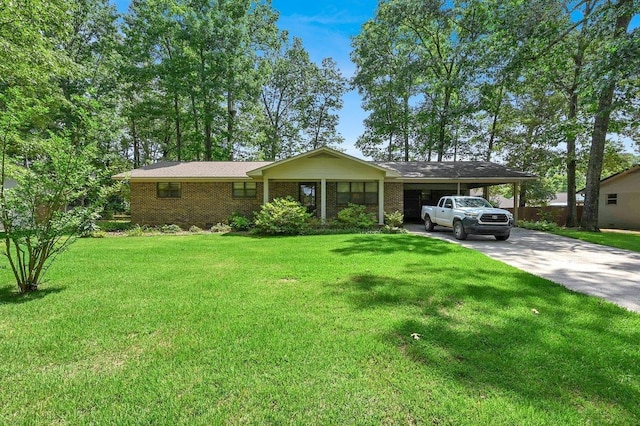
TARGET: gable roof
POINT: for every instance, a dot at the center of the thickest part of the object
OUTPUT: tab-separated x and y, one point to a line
327	153
456	170
411	171
193	170
630	170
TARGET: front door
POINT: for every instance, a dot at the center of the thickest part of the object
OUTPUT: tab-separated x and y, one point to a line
307	196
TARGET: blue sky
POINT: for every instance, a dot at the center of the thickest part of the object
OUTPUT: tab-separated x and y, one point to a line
326	28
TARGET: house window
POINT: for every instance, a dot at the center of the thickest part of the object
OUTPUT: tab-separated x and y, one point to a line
364	193
307	196
612	199
244	190
169	190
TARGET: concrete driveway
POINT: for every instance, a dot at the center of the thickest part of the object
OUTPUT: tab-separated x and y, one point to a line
610	273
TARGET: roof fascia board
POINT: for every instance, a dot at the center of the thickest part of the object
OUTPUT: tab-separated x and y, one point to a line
186	179
618	175
466	180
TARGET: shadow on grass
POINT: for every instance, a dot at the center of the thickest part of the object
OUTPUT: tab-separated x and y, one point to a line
522	336
10	294
390	244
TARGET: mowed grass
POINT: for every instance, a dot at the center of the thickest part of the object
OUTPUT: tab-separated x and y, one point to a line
210	329
627	241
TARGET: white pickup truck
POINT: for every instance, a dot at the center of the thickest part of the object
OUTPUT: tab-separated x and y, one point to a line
468	215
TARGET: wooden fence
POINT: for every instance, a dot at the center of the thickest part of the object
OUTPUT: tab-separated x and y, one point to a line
557	214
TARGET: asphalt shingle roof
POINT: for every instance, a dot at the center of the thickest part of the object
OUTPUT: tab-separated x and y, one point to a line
195	169
406	170
452	169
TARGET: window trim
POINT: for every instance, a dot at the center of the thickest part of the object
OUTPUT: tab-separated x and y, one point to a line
244	192
173	190
362	194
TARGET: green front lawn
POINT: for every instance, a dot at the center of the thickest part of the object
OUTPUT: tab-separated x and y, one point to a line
210	329
627	241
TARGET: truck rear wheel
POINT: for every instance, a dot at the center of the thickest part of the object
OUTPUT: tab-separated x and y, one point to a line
458	230
428	225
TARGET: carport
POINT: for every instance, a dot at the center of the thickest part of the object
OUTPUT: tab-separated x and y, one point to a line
424	182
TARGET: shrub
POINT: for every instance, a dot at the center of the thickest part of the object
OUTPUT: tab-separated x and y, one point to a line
238	222
170	229
540	225
98	234
135	231
388	229
394	219
195	229
282	216
220	228
89	228
355	216
114	225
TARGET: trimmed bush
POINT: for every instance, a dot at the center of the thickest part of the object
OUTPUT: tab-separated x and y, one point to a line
394	219
170	229
135	231
356	216
540	225
238	222
195	229
220	228
284	216
114	225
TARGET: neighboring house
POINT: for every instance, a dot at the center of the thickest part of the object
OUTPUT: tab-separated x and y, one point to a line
558	200
619	202
324	180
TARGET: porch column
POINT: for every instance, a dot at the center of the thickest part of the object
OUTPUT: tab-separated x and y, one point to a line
381	202
323	200
458	189
265	191
516	191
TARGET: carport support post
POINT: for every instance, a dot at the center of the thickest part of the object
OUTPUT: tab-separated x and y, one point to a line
323	199
265	191
381	202
516	192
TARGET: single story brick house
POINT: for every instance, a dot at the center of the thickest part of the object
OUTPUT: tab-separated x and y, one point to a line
619	202
324	180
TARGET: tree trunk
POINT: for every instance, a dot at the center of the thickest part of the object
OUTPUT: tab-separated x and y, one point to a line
589	220
572	210
196	122
492	137
578	59
136	144
405	129
176	111
522	201
443	124
231	114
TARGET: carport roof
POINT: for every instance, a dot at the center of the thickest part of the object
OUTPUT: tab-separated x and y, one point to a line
454	170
